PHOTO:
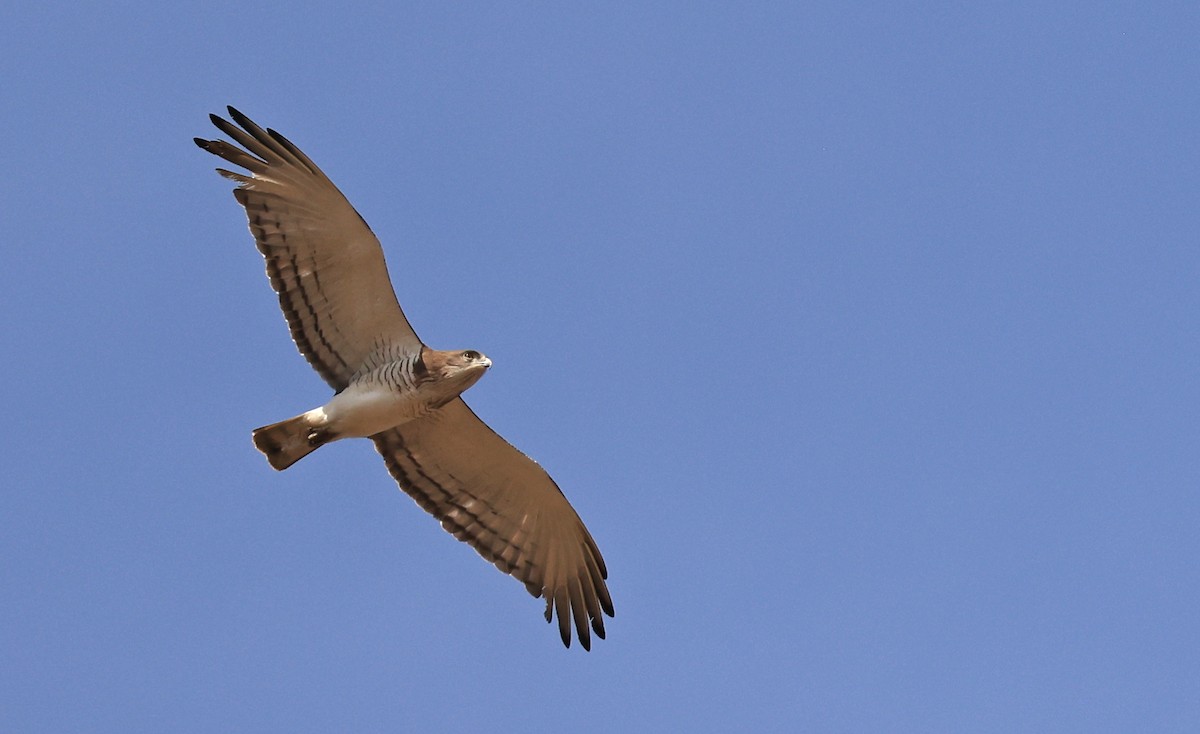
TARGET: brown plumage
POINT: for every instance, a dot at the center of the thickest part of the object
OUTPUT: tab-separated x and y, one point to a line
328	270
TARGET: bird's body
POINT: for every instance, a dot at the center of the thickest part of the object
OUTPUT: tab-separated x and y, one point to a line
328	270
384	397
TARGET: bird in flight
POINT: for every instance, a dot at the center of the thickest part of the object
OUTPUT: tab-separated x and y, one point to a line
327	267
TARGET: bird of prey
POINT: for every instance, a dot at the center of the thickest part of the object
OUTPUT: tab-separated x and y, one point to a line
327	267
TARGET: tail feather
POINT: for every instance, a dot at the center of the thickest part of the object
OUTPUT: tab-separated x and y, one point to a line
286	442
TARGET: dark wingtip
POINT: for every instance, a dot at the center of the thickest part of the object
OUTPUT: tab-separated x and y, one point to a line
238	117
201	142
215	119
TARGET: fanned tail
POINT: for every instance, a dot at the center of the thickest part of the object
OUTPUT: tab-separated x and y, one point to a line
286	442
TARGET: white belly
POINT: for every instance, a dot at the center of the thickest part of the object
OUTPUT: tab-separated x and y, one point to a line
364	410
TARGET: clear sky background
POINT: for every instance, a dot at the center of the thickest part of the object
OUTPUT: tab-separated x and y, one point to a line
863	337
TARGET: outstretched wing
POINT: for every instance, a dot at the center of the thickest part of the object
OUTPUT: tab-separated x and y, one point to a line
322	258
492	496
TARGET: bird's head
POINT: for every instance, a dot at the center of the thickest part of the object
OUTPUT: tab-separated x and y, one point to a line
454	371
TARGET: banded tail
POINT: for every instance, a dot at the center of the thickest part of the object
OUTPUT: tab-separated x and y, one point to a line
286	442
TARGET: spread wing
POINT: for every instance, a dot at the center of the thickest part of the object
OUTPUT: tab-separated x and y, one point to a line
492	496
322	258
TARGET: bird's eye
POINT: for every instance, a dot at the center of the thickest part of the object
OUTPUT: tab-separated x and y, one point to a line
470	355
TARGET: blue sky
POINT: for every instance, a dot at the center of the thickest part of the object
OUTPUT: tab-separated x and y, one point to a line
863	337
